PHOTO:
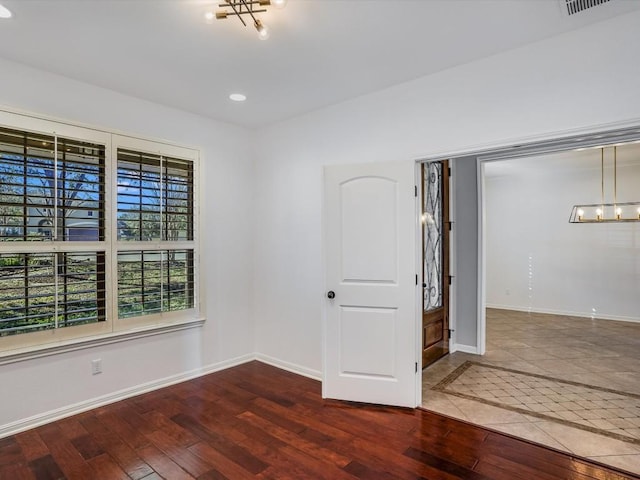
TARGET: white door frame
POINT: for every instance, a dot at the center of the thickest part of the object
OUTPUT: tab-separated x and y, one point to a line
513	148
419	280
516	148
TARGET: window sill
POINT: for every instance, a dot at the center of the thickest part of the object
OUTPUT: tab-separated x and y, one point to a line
29	353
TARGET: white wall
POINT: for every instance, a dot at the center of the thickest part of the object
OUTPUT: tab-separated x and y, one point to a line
579	80
32	388
537	261
582	79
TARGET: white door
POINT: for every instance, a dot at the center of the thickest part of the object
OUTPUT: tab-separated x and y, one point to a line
370	323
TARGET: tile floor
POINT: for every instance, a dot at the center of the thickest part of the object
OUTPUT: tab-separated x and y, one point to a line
566	355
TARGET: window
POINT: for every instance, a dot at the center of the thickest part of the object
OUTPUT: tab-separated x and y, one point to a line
155	218
154	281
49	187
42	291
97	233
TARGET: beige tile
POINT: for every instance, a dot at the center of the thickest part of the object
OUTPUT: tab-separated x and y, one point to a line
589	352
567	352
521	365
553	366
530	353
483	414
500	356
510	343
441	403
632	432
585	443
570	415
603	424
528	431
620	422
598	365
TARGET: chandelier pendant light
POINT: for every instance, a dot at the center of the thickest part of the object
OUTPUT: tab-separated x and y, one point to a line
606	212
248	9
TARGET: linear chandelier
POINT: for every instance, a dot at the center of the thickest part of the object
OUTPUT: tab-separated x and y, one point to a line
247	8
606	212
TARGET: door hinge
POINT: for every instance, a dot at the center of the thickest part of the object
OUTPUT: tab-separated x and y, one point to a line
416	367
449	171
451	330
416	279
451	277
451	225
415	191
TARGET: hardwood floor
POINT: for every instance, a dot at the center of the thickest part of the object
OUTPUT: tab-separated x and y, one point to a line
256	421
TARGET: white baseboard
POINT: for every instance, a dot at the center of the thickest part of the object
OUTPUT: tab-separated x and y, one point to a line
459	347
74	409
290	367
57	414
588	315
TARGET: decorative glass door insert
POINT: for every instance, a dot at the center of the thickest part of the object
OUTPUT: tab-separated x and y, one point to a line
432	226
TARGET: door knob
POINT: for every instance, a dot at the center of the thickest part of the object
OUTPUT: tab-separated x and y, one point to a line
331	294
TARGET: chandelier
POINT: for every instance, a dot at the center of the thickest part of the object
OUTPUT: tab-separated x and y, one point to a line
606	212
248	9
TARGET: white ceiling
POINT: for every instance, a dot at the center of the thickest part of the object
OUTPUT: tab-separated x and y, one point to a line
320	52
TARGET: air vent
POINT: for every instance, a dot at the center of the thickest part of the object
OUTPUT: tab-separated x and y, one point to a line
577	6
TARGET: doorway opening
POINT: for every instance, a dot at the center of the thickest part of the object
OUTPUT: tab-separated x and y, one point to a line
551	337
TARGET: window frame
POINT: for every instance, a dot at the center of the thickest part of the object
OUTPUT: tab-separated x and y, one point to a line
173	151
46	342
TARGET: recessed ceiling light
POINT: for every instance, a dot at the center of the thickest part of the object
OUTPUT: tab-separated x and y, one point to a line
5	12
238	97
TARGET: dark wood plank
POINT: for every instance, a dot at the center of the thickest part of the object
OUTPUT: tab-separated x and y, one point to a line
255	421
230	449
10	452
162	464
66	456
444	464
71	428
106	467
154	476
213	475
45	468
32	445
119	450
17	471
299	441
189	462
366	450
123	429
87	447
223	464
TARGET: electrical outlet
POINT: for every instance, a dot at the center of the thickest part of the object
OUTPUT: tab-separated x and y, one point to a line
96	366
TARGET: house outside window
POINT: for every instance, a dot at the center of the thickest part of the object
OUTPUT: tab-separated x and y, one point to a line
97	233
